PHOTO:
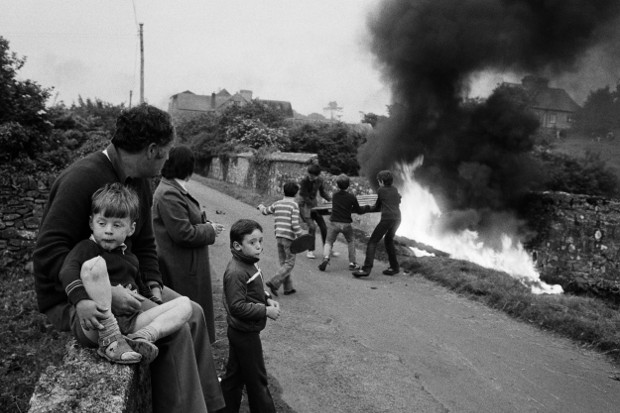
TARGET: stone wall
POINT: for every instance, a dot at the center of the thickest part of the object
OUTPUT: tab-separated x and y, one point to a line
577	242
279	168
265	176
22	200
86	382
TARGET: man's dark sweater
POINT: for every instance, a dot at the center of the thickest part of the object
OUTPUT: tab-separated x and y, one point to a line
343	205
65	223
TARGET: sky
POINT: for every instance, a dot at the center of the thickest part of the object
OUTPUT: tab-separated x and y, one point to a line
307	52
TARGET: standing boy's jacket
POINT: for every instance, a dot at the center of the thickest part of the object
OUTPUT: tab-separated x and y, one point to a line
388	202
244	297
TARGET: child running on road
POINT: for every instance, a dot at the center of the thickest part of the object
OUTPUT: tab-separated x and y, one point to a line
344	204
102	262
287	228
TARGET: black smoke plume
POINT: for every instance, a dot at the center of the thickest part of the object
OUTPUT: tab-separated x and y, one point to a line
476	156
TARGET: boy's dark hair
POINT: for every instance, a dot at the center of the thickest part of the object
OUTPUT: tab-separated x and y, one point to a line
241	228
386	177
138	127
116	201
314	169
290	188
180	163
343	181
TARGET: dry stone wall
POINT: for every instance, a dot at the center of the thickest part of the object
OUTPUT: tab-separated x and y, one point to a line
22	200
577	242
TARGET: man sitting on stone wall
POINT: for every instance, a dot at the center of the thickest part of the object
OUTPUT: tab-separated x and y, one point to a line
183	376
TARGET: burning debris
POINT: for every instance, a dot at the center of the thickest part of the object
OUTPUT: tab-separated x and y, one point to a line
476	153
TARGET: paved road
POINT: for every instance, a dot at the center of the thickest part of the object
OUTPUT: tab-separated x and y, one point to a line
404	344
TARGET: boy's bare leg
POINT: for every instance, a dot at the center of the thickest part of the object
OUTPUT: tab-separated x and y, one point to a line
327	250
162	320
112	345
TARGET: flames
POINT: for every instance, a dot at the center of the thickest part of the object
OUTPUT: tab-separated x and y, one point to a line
420	213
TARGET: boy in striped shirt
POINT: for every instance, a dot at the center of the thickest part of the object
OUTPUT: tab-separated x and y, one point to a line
287	228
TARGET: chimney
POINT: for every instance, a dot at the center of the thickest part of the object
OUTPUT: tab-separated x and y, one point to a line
213	100
247	94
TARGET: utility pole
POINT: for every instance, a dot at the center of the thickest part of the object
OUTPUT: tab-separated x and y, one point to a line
141	65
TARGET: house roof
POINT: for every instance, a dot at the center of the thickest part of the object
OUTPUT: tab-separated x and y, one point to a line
189	101
553	99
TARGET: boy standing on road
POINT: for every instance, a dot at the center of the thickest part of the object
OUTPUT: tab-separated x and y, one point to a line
309	186
247	307
388	202
344	204
286	213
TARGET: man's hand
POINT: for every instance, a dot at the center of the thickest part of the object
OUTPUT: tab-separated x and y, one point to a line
125	301
89	314
273	309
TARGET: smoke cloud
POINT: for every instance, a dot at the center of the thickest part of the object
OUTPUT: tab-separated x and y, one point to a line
476	156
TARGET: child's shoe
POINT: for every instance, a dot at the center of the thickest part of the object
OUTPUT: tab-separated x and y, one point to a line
361	273
353	266
323	265
116	349
335	254
391	271
272	288
291	291
145	348
310	255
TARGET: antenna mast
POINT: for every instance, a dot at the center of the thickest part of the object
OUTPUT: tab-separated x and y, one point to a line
141	65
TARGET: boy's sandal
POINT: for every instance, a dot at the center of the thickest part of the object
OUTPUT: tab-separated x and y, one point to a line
116	350
145	348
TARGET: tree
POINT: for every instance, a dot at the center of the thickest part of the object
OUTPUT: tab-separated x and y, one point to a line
24	123
600	112
334	110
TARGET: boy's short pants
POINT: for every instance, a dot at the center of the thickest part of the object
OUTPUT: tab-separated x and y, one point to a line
64	318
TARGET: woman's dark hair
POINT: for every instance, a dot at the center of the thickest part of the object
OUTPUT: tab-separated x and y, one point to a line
180	163
241	228
138	127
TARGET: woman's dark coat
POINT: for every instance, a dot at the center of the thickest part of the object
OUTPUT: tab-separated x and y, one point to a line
183	234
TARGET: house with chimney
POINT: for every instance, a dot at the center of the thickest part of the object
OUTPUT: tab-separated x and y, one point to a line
188	104
554	107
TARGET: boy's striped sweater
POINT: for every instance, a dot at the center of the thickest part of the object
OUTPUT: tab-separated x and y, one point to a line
286	214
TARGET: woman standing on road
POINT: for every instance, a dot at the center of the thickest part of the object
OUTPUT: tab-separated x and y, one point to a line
183	234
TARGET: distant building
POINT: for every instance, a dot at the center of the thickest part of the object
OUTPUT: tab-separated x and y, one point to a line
187	104
553	106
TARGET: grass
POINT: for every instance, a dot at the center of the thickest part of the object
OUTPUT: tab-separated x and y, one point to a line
28	344
577	146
